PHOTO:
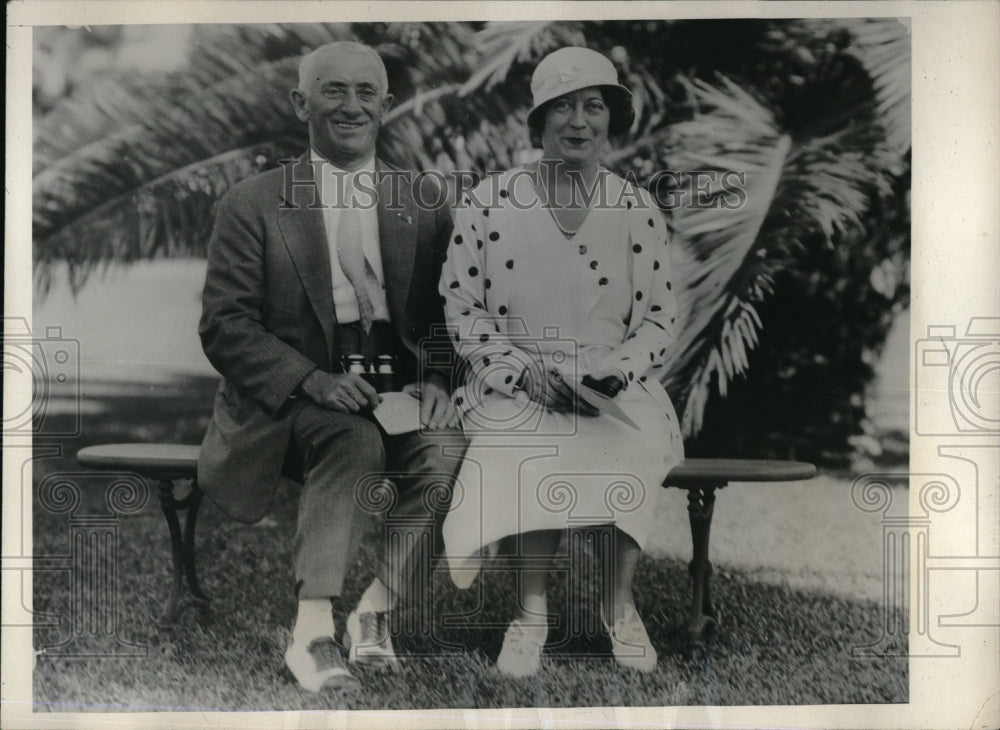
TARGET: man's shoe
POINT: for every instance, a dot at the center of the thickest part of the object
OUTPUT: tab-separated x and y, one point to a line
319	665
522	649
629	641
367	638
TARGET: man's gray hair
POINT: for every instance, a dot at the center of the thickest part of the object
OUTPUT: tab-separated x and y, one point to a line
307	65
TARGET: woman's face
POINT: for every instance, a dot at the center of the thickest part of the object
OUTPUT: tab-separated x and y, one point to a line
576	127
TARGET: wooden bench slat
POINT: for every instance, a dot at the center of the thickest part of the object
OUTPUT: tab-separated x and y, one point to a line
153	460
182	460
738	470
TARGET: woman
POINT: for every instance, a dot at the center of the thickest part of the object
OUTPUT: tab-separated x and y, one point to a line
559	270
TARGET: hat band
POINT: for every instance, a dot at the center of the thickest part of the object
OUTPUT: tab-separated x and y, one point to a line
550	91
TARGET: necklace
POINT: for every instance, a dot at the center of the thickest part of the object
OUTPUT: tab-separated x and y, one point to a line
564	231
568	233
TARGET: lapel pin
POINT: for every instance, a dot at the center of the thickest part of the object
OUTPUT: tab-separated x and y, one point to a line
408	219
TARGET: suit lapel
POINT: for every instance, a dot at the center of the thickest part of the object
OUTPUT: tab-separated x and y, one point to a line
397	233
304	233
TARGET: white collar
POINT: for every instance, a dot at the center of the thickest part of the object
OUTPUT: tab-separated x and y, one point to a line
315	156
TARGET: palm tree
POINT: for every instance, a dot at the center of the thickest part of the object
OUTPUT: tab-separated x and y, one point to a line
812	118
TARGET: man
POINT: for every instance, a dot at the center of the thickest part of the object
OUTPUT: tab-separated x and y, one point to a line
307	264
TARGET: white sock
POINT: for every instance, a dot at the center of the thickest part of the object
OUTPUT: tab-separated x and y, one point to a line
376	598
315	619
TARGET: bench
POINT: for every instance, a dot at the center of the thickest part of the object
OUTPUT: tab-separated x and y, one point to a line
701	477
165	463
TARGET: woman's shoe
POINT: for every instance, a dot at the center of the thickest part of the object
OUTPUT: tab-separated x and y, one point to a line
522	649
629	641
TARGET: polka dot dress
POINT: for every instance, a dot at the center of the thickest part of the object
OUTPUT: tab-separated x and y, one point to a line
580	305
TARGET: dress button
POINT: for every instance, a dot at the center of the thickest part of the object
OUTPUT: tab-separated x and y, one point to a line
583	250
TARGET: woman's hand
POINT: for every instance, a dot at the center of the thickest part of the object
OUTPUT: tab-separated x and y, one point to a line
550	389
610	385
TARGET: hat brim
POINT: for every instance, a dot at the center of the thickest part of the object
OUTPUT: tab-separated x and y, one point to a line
622	97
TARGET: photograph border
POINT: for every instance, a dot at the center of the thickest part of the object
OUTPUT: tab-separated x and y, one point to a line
955	223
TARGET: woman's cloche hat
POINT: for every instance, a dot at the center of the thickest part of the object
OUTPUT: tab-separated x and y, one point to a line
570	69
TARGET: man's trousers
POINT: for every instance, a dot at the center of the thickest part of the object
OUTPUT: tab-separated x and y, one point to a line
351	470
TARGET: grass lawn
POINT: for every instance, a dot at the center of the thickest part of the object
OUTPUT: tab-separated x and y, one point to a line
775	645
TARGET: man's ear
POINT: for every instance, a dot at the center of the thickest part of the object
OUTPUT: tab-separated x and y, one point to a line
387	101
299	104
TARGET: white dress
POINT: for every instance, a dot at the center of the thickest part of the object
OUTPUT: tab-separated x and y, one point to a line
600	302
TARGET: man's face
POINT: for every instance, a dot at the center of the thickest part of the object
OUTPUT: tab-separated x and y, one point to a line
343	102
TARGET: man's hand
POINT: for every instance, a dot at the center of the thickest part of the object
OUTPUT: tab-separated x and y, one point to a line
344	392
436	410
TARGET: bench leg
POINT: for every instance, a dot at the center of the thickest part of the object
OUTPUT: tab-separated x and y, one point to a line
182	552
702	617
188	553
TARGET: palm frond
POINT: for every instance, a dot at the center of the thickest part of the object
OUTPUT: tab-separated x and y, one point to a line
107	174
105	106
727	161
113	103
170	216
501	44
821	196
883	47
